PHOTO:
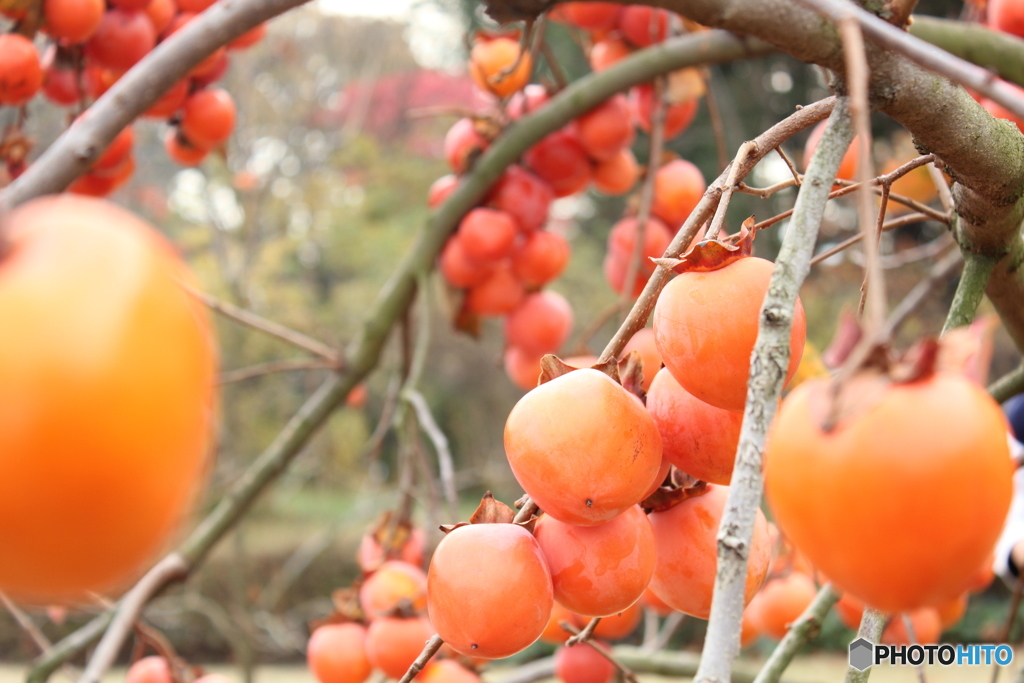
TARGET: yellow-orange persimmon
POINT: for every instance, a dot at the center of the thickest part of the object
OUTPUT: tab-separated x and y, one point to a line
600	570
107	373
583	447
336	653
781	602
489	590
393	583
923	468
686	536
393	644
617	626
491	65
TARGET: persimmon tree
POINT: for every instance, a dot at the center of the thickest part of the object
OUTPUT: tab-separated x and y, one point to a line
485	238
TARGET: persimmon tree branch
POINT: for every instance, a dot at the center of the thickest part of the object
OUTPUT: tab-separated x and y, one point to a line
998	52
805	629
768	365
871	626
1008	386
79	146
969	291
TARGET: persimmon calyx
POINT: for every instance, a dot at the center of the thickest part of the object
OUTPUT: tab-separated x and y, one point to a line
491	511
667	497
712	254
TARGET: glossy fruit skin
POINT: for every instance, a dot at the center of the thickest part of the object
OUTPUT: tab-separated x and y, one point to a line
600	570
686	536
522	368
488	61
696	437
560	160
781	602
540	324
208	118
651	601
392	583
617	626
124	413
898	466
460	270
678	187
73	21
608	51
468	583
582	665
487	235
565	442
392	644
524	196
540	258
151	669
592	15
181	151
707	351
617	175
21	75
499	293
607	129
161	13
336	653
447	671
122	39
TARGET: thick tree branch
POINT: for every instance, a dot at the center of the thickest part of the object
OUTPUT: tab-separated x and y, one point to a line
1008	386
977	269
802	631
767	375
74	151
871	626
1000	53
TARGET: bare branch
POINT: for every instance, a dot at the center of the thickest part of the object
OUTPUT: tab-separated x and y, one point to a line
871	626
939	272
584	637
579	636
977	270
433	645
274	366
802	631
440	441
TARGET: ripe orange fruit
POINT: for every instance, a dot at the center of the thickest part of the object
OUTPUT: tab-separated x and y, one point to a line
524	196
781	602
123	414
486	235
678	116
468	585
643	343
897	465
607	129
497	294
208	118
600	570
582	664
72	21
489	62
696	437
336	653
21	74
617	626
651	601
644	26
540	258
617	175
951	612
925	622
583	447
621	243
370	555
460	270
149	670
553	632
678	187
122	39
706	324
181	151
608	51
392	583
522	368
560	160
446	671
592	15
441	189
1007	16
392	644
686	536
540	324
847	167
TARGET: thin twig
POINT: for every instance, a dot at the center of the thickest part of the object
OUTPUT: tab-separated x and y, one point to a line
274	366
908	624
802	631
34	632
578	635
584	637
256	322
715	114
846	244
939	272
668	629
765	192
433	645
440	442
941	188
582	344
789	162
718	222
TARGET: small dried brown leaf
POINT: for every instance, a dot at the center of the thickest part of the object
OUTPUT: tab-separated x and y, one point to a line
610	368
667	498
448	528
631	374
712	254
492	511
553	367
346	604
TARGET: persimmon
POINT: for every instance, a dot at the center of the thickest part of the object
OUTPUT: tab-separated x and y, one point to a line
643	343
441	189
608	51
540	258
651	601
124	413
607	129
644	26
499	66
925	623
169	102
487	235
781	602
618	626
663	471
122	39
749	631
522	367
621	243
336	653
592	15
540	324
460	270
151	669
468	584
696	437
60	82
847	167
952	611
565	442
498	294
601	570
617	175
161	13
898	452
462	144
393	583
393	644
211	63
678	115
678	187
208	117
529	99
582	664
523	196
72	21
553	632
686	536
983	576
1007	16
560	160
182	151
92	185
21	74
116	152
850	611
370	555
447	671
707	351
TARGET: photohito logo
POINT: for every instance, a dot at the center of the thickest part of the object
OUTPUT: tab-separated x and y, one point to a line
865	654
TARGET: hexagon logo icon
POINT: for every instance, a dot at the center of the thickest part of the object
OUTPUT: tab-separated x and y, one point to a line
862	654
